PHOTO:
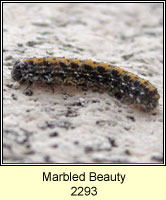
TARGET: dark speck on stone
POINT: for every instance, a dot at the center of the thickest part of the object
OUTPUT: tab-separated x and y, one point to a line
112	141
51	124
14	97
28	92
126	57
8	58
76	142
55	146
100	122
54	134
127	152
47	159
31	43
131	118
88	149
157	158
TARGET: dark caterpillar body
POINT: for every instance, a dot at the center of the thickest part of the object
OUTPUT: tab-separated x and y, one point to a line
122	84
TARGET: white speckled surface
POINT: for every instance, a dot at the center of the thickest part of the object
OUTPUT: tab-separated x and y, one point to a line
82	127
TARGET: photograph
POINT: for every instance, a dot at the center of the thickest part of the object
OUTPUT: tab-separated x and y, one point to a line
83	83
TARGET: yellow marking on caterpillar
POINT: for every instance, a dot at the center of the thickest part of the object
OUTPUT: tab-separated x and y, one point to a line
89	62
51	60
157	96
151	87
144	82
120	70
64	60
105	65
37	60
132	76
74	60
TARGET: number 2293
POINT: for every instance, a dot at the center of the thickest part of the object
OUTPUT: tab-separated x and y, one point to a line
81	191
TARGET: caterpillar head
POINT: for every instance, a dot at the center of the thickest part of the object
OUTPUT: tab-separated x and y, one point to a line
16	72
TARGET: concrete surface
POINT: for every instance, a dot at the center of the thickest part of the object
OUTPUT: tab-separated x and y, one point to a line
82	126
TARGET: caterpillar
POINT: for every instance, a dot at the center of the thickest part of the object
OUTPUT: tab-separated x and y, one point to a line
124	85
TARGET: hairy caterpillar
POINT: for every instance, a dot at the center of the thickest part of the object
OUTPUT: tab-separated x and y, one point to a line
120	83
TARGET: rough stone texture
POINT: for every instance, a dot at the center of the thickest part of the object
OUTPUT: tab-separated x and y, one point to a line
82	127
